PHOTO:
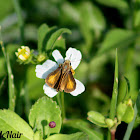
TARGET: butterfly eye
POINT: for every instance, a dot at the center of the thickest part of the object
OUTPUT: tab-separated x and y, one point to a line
70	63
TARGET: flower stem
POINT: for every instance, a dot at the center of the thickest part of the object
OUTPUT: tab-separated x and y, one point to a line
113	134
58	99
62	106
2	45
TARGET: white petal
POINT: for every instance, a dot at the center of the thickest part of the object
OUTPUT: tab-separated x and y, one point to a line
79	88
74	56
57	56
46	68
49	91
22	57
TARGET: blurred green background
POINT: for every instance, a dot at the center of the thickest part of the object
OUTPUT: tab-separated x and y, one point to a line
98	27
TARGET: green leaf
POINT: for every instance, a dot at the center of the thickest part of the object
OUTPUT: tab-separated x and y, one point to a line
130	71
115	91
44	111
5	9
75	136
121	4
91	23
97	118
69	11
37	136
128	84
92	16
129	115
50	37
10	121
42	31
125	112
116	38
55	36
137	19
60	45
84	127
11	87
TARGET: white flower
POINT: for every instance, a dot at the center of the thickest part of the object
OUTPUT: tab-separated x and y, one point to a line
23	53
42	71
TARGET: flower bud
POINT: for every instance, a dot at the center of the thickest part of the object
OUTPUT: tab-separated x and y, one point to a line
97	118
129	102
52	124
41	57
125	111
23	53
109	122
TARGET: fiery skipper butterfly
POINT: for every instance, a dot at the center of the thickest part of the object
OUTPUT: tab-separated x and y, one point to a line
62	78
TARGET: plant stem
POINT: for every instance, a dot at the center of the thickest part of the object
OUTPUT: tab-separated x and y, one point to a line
2	46
113	134
115	91
11	86
20	19
58	99
114	96
62	106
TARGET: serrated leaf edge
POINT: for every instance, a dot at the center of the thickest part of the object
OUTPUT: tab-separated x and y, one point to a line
37	102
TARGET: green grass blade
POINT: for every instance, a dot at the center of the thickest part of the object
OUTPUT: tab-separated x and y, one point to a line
114	95
11	87
115	91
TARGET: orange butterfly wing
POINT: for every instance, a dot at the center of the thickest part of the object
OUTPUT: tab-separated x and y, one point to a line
53	78
68	83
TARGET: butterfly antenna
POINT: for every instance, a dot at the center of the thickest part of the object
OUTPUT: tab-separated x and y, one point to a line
76	60
70	56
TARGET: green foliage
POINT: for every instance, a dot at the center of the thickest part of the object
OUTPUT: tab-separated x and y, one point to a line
42	31
97	118
96	28
9	120
131	124
76	136
115	91
42	113
55	36
34	84
125	112
120	4
116	38
48	38
84	126
37	136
